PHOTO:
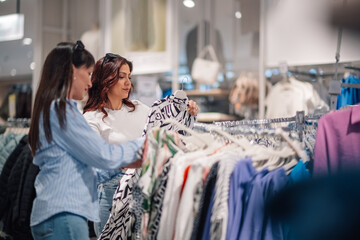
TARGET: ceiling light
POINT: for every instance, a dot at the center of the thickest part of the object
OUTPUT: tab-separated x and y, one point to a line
238	14
189	3
27	41
2	0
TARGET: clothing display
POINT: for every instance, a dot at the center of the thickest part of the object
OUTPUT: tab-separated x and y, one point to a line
287	97
180	193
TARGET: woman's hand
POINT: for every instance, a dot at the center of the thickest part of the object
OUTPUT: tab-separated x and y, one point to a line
136	164
193	108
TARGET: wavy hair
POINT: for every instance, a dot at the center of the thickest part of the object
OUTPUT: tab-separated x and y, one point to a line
104	77
55	83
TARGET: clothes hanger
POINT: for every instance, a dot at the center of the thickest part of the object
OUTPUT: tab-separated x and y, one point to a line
299	152
284	71
202	140
181	93
272	157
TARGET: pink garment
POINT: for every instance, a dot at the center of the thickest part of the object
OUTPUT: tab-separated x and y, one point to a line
337	146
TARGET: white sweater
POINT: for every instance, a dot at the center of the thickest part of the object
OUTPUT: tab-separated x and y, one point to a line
120	125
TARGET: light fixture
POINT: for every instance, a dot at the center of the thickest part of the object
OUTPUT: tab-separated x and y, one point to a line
11	27
32	65
238	14
27	41
2	0
189	3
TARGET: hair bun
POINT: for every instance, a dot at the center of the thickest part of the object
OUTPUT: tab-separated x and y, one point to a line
79	46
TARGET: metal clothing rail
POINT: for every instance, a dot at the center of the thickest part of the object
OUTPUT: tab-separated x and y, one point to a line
19	122
352	68
300	118
208	127
350	85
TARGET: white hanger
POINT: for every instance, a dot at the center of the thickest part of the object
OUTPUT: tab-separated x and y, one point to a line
231	138
180	93
293	145
201	140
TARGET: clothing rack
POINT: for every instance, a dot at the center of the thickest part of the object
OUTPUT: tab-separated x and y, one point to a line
268	132
206	127
19	122
300	119
314	75
352	68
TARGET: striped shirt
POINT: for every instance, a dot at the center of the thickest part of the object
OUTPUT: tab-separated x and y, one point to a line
69	166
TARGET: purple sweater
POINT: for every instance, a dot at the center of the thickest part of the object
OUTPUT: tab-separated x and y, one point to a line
337	146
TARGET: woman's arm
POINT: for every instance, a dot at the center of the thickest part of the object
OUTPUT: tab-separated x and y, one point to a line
87	146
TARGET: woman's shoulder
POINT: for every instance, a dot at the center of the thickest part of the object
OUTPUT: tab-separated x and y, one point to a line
138	103
93	115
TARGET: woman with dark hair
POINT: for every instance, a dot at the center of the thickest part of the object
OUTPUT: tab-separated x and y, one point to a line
68	152
111	113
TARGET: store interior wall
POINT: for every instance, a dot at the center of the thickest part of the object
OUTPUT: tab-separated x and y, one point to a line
306	37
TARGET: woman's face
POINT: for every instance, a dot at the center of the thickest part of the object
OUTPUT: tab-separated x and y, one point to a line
122	87
81	82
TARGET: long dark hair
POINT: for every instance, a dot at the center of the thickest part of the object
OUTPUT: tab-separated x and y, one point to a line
105	76
55	83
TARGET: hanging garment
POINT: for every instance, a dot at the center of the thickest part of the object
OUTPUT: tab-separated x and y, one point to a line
337	142
219	216
169	107
160	147
119	220
285	98
157	203
187	206
7	145
299	174
191	198
18	192
249	191
172	195
349	96
200	221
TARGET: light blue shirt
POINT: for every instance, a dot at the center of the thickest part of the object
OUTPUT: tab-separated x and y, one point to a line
69	166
